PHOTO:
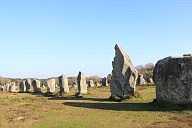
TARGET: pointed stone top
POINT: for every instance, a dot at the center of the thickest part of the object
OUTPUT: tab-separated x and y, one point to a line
120	51
81	74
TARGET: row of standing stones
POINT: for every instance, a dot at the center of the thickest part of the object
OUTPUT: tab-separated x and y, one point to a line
34	85
172	77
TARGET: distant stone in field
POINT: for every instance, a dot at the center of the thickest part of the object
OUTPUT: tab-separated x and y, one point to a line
7	87
141	80
51	85
12	87
22	86
104	82
74	85
36	86
98	84
43	86
109	77
63	83
91	83
81	82
173	80
28	85
124	75
150	81
56	85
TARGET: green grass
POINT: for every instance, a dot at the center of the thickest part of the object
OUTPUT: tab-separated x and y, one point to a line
92	111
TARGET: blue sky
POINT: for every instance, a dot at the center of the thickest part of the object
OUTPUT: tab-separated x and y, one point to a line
45	38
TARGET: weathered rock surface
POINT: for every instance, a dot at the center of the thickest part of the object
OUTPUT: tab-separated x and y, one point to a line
124	75
51	85
104	82
36	86
63	83
81	82
141	80
22	86
91	83
173	80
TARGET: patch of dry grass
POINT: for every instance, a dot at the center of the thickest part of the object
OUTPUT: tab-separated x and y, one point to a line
92	111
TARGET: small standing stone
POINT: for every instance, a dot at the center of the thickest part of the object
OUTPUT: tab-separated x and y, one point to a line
51	85
91	83
22	86
150	81
74	84
63	83
7	87
28	85
141	80
36	85
82	86
12	87
98	84
104	82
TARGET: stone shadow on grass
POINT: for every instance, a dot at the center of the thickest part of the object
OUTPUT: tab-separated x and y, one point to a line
128	106
78	98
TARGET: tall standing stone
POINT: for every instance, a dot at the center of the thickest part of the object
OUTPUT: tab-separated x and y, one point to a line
36	86
51	85
104	82
141	80
63	83
28	85
124	75
81	82
22	86
173	80
90	83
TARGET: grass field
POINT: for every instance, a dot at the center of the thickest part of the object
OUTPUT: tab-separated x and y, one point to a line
92	111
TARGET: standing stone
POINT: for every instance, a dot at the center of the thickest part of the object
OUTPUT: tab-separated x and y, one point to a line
7	87
141	80
109	77
63	83
12	87
150	81
90	83
28	85
36	86
98	84
74	84
51	85
104	82
124	75
173	80
81	82
22	86
43	86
